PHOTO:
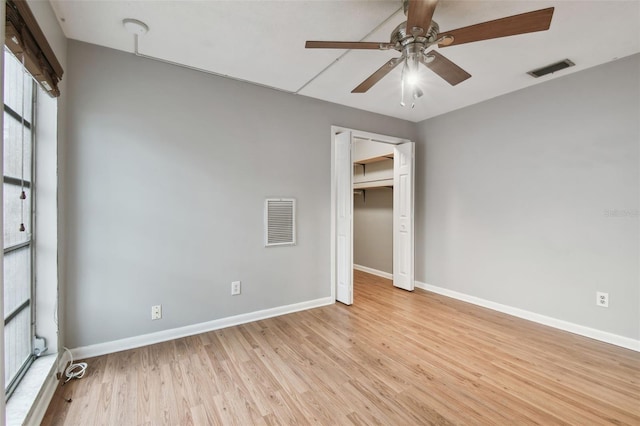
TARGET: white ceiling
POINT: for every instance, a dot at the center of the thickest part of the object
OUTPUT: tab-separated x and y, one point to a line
262	41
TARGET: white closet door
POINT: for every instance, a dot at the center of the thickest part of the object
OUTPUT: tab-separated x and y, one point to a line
344	214
403	202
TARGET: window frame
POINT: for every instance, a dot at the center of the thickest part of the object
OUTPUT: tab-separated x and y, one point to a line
29	244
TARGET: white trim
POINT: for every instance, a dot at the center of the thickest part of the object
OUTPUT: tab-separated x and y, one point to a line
375	137
31	398
581	330
2	401
354	134
332	249
190	330
43	400
373	271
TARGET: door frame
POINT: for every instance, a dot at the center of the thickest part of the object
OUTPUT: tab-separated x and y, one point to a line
354	134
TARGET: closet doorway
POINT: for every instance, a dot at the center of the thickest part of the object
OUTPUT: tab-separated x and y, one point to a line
373	207
390	162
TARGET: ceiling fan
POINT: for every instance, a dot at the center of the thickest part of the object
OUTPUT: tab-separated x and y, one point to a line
419	32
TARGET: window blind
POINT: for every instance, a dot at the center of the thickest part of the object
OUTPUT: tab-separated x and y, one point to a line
23	36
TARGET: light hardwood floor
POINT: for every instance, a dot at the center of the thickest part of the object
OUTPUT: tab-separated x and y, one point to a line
394	358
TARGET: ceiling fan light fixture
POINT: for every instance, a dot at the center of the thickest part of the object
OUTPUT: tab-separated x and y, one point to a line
411	69
410	78
413	78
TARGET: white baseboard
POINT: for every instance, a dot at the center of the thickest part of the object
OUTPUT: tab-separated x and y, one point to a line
373	271
190	330
581	330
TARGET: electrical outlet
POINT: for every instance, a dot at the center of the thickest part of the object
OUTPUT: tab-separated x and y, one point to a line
235	288
602	299
156	312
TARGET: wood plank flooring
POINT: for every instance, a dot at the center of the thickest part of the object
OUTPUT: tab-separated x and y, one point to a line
393	358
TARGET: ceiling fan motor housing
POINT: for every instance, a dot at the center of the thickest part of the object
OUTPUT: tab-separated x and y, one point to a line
414	44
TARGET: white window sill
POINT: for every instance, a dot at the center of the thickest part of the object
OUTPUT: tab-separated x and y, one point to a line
30	389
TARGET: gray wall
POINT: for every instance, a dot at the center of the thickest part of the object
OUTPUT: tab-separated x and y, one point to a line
167	172
373	229
531	199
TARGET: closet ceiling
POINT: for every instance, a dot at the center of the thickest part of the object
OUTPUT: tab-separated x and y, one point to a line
263	42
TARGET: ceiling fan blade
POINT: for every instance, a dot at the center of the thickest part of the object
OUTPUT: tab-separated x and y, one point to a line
348	45
529	22
419	15
377	76
446	69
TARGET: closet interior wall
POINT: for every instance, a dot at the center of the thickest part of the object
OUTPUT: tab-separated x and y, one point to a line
373	206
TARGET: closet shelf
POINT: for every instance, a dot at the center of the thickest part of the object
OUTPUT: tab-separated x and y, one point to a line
374	159
373	184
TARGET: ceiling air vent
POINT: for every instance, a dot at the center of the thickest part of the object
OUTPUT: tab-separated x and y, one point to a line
549	69
279	221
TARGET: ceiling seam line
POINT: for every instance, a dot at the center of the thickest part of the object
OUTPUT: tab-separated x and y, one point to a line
166	61
347	51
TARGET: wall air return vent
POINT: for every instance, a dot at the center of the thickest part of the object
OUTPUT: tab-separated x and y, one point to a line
279	222
550	69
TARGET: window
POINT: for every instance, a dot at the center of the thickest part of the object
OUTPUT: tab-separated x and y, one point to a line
18	203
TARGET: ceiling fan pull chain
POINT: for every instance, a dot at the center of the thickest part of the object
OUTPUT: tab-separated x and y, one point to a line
23	195
403	82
